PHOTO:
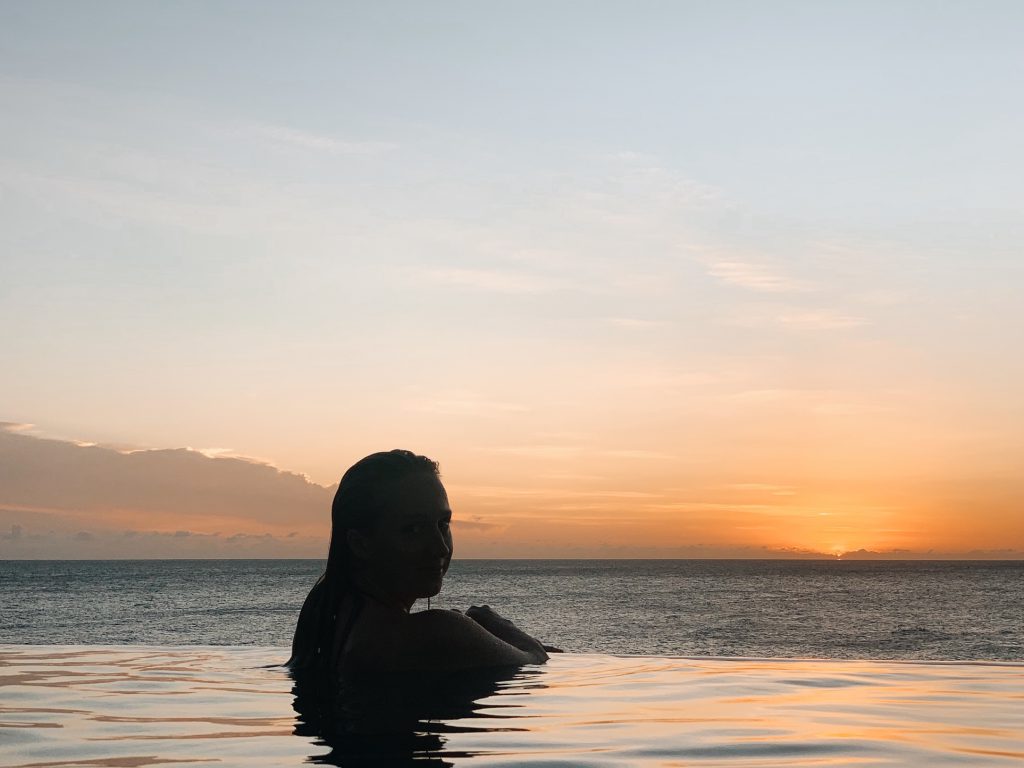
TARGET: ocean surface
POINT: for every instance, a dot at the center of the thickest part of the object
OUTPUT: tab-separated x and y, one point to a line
141	706
131	664
818	609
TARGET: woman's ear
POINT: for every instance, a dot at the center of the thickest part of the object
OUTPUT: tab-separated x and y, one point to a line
358	543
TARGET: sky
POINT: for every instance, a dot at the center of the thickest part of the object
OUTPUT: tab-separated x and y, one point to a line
647	279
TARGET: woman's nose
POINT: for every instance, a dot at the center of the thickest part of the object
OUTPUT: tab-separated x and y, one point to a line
439	544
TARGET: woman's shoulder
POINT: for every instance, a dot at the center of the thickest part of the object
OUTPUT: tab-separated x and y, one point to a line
430	639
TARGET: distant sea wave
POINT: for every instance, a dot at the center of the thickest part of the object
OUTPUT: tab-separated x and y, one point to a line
937	610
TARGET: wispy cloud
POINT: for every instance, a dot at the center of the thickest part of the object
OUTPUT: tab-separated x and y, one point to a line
819	321
794	319
492	280
715	506
774	490
886	297
650	176
465	403
165	192
826	402
639	454
636	323
475	524
538	451
754	277
666	378
775	394
630	156
317	142
507	492
14	426
562	451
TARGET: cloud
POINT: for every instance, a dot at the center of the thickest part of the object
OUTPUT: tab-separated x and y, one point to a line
819	321
134	544
774	490
316	142
824	402
645	176
465	403
716	506
13	426
164	192
796	319
931	554
635	323
216	453
605	550
562	451
506	492
86	493
639	454
492	280
629	156
475	525
550	451
754	277
214	177
212	453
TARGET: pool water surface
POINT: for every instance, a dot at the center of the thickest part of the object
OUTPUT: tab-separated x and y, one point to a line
136	706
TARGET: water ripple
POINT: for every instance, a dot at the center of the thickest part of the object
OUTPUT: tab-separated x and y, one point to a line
138	706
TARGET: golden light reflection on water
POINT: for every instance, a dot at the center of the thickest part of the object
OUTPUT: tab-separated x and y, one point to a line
141	706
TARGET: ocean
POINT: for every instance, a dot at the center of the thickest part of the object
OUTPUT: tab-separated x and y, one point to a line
700	663
132	706
812	609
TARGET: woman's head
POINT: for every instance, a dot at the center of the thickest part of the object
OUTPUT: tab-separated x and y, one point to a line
390	538
390	531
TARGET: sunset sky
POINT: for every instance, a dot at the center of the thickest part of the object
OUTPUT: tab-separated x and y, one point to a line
647	279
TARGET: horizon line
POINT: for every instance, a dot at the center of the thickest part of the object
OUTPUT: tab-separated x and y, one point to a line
828	558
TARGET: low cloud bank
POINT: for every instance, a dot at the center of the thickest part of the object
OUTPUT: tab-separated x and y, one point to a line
62	475
19	542
933	554
59	499
63	500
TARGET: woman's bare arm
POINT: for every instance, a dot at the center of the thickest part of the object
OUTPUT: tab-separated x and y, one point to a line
439	639
505	630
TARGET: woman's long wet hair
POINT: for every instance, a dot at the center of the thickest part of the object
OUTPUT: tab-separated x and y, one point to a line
362	494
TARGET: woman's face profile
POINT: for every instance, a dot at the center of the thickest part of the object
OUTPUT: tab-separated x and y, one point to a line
407	553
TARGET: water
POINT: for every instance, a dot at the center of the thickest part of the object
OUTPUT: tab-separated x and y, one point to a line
173	663
758	608
140	706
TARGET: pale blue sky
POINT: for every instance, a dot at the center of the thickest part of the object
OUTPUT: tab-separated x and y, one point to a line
304	231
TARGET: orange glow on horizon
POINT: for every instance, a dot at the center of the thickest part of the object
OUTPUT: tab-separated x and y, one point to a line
533	503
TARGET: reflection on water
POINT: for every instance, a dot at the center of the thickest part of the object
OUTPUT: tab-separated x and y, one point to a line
364	720
139	706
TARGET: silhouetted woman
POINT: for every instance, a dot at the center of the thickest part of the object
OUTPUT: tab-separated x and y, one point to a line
391	544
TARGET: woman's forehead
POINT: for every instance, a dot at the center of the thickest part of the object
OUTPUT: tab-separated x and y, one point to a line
420	492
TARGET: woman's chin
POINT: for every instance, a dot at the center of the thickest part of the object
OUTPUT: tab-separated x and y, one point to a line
430	589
